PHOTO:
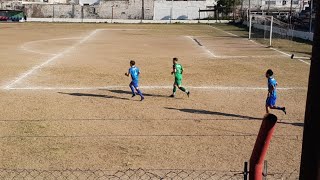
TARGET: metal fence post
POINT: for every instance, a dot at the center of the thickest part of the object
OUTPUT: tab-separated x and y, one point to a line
245	171
265	170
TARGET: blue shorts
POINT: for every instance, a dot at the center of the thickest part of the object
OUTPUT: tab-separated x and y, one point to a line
134	84
271	101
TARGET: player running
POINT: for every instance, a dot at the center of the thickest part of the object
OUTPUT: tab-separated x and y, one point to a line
134	84
177	71
272	93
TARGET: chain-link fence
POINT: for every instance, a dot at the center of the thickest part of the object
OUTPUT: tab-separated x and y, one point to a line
144	174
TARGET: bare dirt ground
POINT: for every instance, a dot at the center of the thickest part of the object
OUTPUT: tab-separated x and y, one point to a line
66	103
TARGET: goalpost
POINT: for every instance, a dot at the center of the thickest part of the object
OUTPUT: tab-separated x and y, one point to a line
260	23
264	29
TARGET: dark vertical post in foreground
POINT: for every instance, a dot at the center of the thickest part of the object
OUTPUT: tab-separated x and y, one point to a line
290	13
310	156
261	146
142	10
245	171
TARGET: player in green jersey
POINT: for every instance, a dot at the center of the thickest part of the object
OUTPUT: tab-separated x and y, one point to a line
177	71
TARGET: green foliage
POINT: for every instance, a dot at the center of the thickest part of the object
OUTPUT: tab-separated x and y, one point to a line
227	6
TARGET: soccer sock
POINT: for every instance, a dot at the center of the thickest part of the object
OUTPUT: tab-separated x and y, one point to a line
139	92
174	89
183	89
277	107
132	89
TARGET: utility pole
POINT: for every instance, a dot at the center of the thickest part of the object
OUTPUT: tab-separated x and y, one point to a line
112	13
311	8
142	10
290	13
249	11
241	9
310	156
268	8
53	12
234	10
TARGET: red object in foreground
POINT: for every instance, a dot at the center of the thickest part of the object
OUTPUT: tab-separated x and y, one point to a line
261	146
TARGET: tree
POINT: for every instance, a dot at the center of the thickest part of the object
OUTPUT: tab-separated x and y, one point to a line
227	6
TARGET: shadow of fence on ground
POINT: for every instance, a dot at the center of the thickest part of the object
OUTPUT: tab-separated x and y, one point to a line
162	174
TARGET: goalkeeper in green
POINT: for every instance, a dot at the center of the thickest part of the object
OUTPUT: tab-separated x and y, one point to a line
177	71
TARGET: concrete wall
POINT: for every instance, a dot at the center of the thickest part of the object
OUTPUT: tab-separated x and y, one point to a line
124	9
49	11
164	10
11	5
131	9
124	21
128	9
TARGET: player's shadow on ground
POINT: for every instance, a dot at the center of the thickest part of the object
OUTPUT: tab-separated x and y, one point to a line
129	92
197	111
93	95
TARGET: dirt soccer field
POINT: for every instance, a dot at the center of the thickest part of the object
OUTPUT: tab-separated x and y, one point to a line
65	101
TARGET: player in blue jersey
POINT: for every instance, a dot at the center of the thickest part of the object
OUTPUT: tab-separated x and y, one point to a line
134	85
272	93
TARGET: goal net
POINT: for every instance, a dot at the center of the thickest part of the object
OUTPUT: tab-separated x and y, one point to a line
266	29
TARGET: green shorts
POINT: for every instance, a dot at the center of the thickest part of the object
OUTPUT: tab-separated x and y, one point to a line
178	81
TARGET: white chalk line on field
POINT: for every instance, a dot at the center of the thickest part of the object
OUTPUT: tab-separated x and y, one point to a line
253	56
234	88
226	57
277	50
225	31
304	61
119	29
281	52
289	55
26	47
202	47
37	67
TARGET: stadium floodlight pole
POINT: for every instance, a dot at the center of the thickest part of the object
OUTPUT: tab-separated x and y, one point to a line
310	155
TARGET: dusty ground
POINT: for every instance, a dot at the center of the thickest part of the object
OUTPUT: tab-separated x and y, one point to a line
66	105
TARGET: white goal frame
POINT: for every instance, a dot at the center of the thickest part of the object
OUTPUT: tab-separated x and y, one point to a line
271	26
